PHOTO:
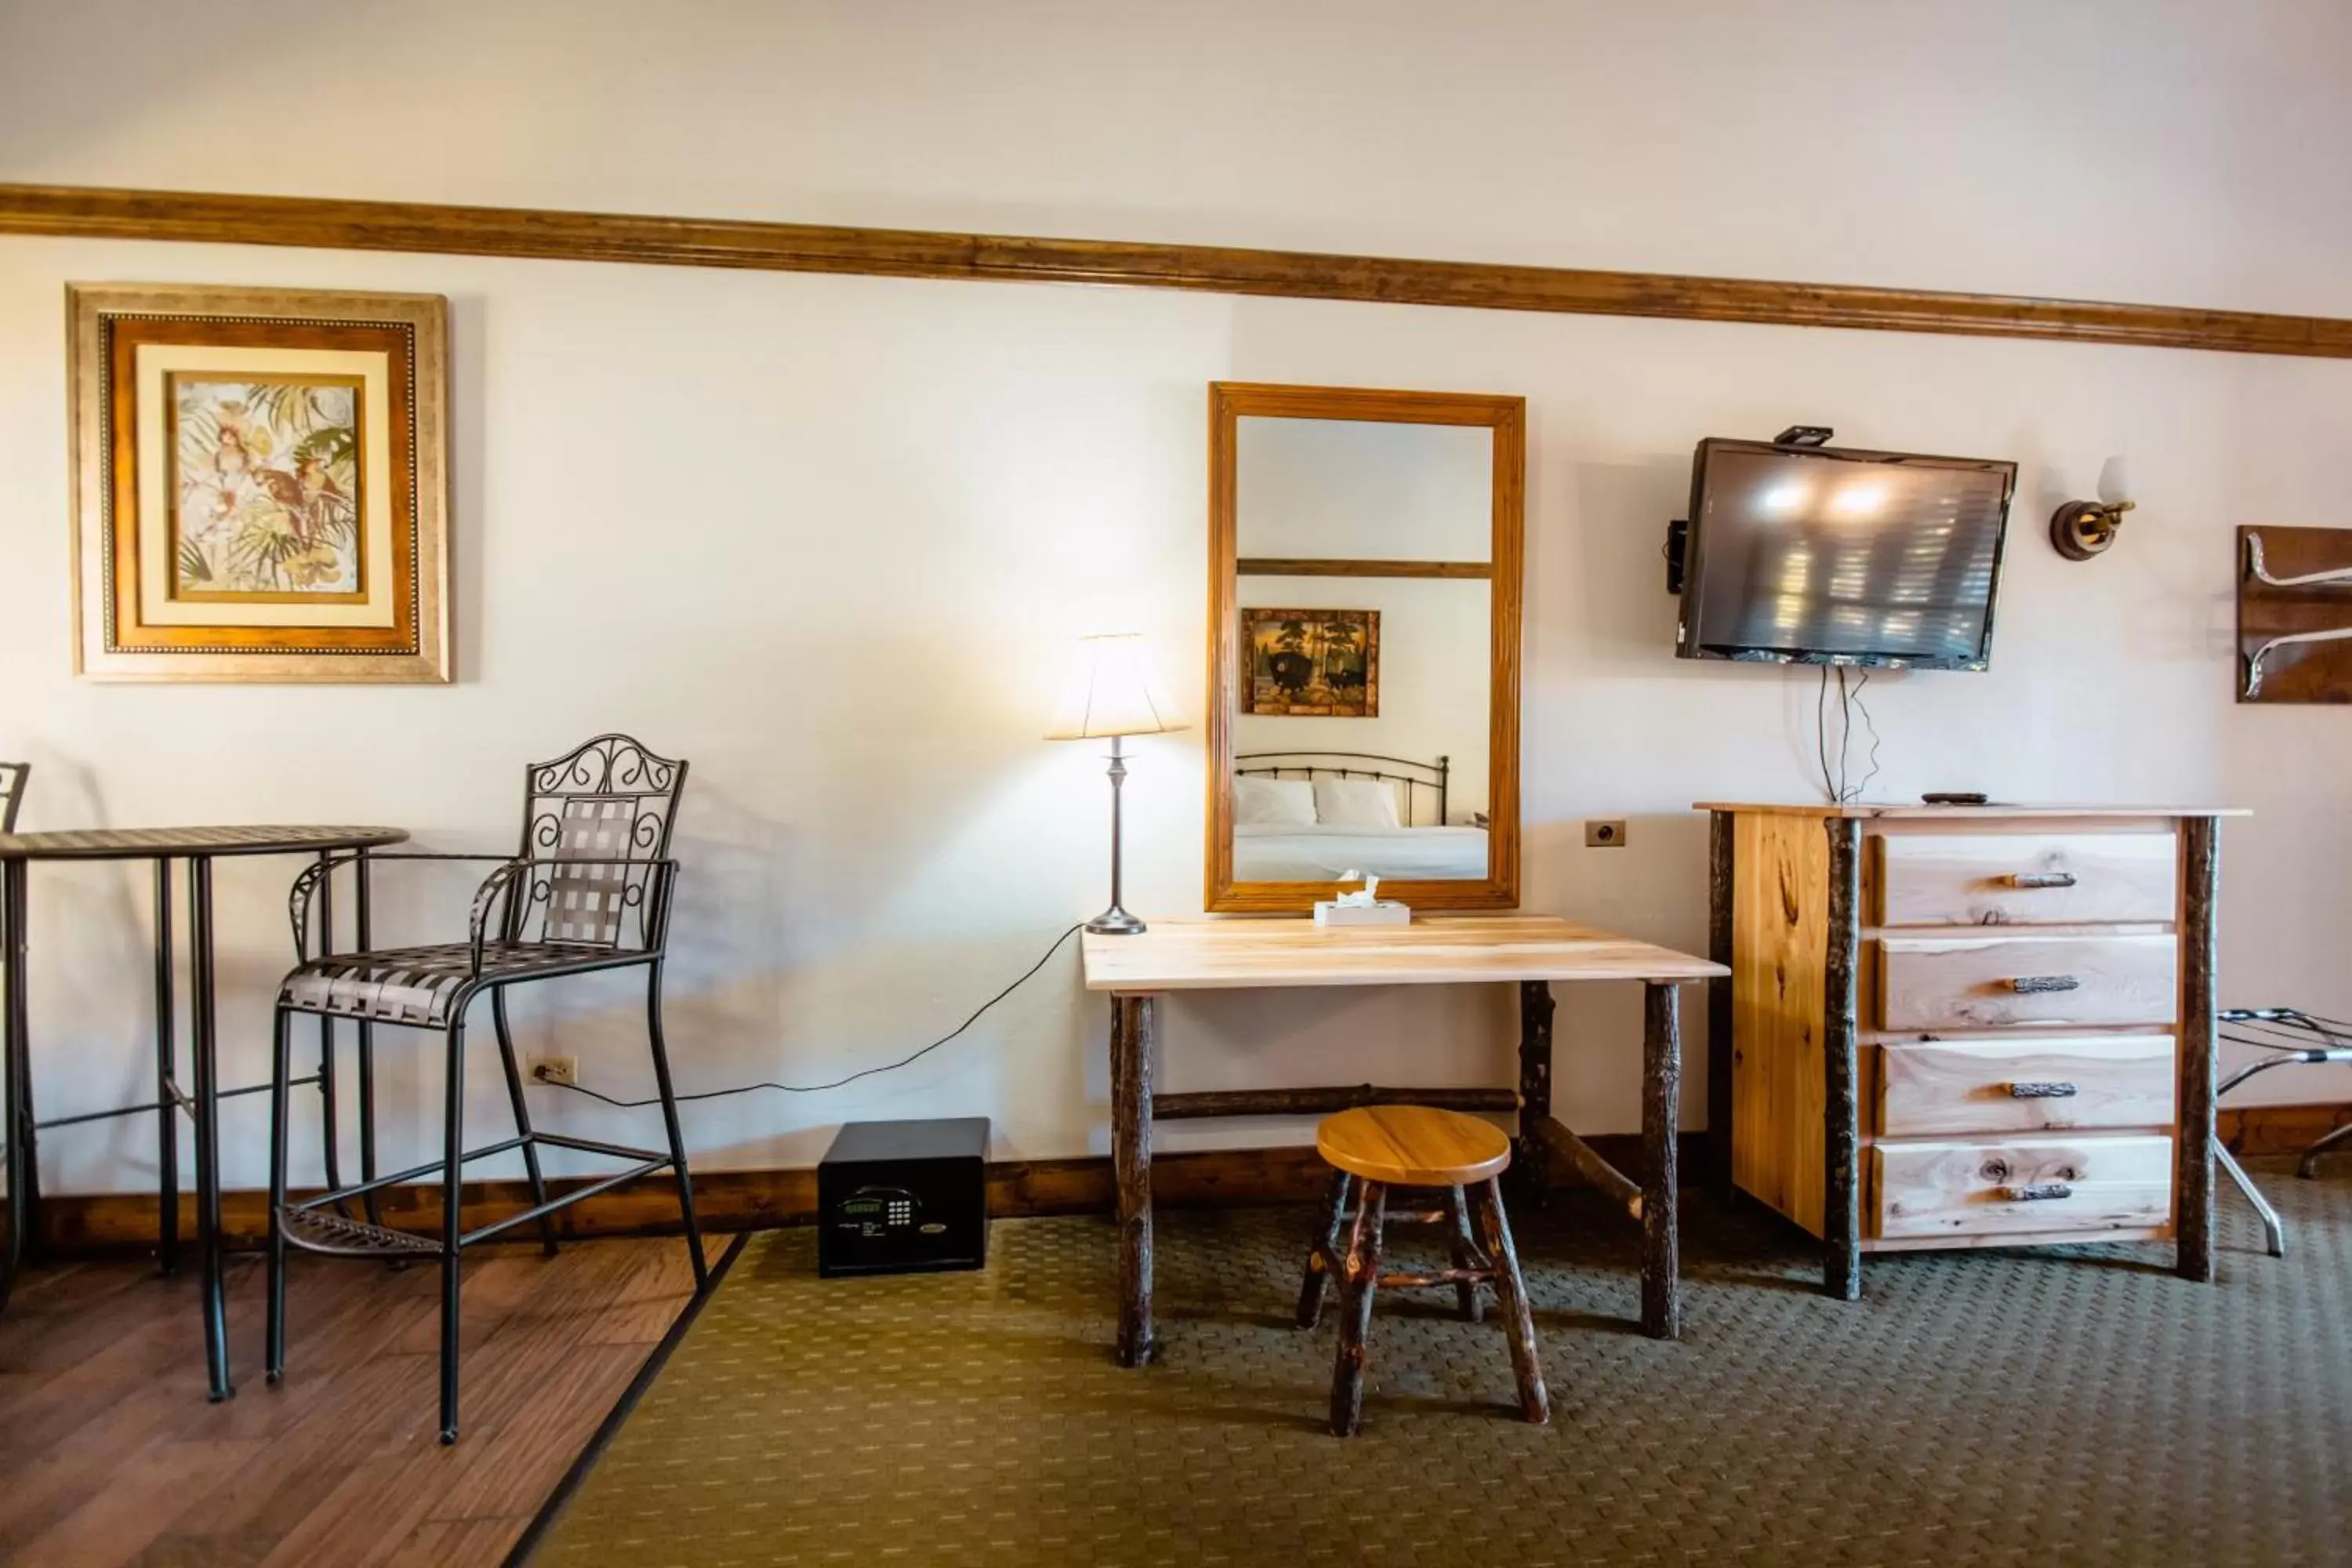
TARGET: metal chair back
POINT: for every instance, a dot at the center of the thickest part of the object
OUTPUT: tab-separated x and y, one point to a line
12	792
596	831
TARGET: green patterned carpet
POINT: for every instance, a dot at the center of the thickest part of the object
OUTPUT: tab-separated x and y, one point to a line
1981	1409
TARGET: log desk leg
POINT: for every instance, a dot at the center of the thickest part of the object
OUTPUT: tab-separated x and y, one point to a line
1132	1030
1653	1201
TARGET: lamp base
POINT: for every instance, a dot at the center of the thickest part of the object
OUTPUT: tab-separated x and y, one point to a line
1114	921
2082	530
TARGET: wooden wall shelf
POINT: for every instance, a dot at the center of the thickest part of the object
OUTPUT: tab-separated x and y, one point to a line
2294	615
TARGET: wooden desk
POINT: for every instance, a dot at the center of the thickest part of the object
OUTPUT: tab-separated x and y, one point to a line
1528	950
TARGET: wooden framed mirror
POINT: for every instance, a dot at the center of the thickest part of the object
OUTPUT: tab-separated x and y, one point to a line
1364	566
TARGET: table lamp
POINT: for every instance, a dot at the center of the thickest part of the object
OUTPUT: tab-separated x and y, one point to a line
1114	689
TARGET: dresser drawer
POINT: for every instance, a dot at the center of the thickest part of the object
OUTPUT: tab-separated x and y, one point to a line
1939	1088
1935	983
2025	878
2021	1186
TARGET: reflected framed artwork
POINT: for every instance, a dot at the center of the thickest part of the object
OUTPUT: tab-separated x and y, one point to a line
260	484
1320	664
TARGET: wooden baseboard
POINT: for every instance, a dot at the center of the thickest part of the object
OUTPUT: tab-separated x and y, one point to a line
102	1223
723	1200
2278	1129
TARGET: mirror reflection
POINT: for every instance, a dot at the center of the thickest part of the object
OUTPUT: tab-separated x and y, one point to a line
1364	582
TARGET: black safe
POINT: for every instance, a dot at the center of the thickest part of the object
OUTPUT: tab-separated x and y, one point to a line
903	1197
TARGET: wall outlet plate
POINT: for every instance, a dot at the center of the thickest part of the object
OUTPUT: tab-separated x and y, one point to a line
553	1069
1610	834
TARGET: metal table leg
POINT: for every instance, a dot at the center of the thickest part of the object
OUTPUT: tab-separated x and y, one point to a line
329	1123
203	1037
167	1084
24	1159
364	937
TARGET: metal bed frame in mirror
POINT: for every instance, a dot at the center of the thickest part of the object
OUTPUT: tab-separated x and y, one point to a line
1343	768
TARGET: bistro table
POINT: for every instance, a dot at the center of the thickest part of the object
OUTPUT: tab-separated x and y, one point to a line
199	847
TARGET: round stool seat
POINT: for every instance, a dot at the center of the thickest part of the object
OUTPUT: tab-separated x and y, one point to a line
1413	1146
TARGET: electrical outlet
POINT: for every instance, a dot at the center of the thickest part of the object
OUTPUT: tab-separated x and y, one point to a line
1604	835
555	1070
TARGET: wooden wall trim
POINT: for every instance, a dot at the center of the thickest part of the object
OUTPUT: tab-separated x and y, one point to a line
198	218
1312	566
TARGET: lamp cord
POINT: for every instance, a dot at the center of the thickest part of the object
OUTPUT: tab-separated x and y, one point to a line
853	1078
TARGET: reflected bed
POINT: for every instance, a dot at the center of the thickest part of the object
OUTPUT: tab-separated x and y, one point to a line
1387	815
1284	852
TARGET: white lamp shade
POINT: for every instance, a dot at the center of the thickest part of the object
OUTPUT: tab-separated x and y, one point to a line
1114	689
2114	481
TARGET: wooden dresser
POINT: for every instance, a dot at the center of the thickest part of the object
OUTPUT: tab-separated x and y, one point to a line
1965	1026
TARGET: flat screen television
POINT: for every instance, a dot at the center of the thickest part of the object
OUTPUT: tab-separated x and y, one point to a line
1826	555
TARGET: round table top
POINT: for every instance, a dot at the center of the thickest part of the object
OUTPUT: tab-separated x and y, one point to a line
177	843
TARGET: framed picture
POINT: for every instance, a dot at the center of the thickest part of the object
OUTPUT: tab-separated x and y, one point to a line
1323	664
260	484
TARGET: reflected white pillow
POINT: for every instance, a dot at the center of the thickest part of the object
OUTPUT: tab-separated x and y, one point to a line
1355	803
1273	803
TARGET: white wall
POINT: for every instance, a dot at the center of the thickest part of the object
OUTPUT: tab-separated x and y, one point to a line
1363	489
832	532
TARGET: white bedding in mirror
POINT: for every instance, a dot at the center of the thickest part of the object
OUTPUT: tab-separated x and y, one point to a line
1319	853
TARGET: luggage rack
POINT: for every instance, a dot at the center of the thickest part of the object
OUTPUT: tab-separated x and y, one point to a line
2289	1037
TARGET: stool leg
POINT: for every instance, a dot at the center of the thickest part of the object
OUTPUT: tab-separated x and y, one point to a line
1535	1404
1465	1255
1317	1283
1364	1282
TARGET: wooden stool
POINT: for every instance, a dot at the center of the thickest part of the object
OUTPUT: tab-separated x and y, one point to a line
1372	1149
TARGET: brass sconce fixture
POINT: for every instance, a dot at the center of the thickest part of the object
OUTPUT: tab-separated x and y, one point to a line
2082	529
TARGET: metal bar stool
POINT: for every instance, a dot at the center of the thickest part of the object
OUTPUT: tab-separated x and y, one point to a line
1372	1149
589	889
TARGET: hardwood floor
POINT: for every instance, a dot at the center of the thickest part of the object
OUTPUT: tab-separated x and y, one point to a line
109	1453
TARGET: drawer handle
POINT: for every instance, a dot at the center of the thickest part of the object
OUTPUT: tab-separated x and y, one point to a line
2060	1091
2032	984
2038	1192
2039	879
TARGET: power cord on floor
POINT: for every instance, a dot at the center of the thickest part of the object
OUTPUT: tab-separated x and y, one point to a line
853	1078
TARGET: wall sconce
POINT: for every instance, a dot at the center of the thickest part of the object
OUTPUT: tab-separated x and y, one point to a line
2082	529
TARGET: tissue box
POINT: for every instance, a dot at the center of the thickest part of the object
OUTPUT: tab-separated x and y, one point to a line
1387	912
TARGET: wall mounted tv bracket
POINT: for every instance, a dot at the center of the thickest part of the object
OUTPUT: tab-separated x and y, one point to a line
1678	543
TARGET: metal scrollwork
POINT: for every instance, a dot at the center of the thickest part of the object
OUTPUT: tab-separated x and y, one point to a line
610	802
609	764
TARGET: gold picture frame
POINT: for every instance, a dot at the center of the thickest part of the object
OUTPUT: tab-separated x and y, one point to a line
260	484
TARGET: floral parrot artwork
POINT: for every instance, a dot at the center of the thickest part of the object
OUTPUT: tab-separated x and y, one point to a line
266	500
